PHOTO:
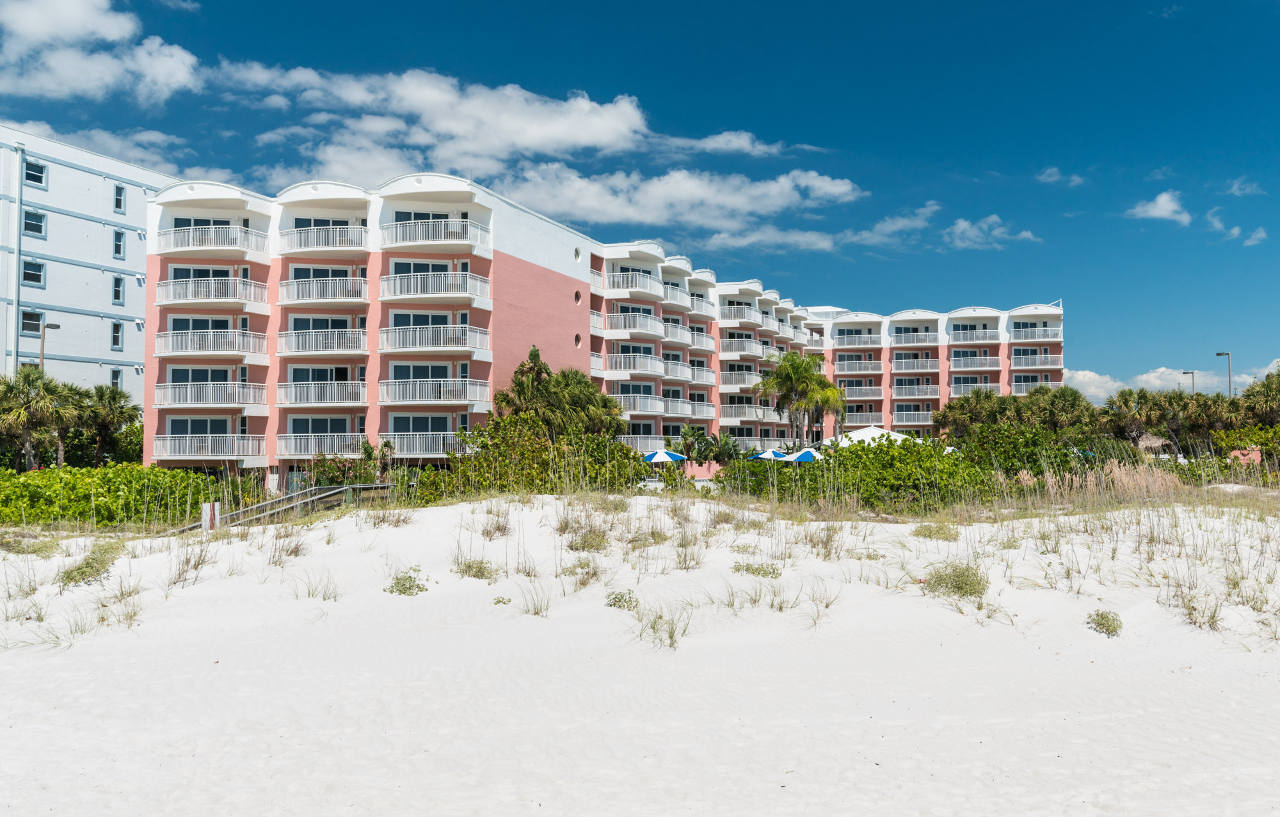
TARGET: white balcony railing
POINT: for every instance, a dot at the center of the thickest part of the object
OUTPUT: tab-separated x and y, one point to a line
330	393
677	407
864	418
597	322
741	411
637	364
702	376
323	238
324	289
855	341
916	339
450	337
311	445
863	392
676	370
322	341
702	306
1026	388
210	394
753	443
423	444
208	446
742	347
634	322
433	284
639	403
646	444
916	391
210	290
211	238
675	333
676	296
912	418
962	389
1037	333
702	341
211	341
748	314
437	231
975	336
857	366
635	282
1036	362
916	365
987	362
703	410
597	363
739	378
452	390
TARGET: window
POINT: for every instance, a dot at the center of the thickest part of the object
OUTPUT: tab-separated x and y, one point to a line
118	199
33	273
117	244
36	173
33	223
117	378
117	336
31	322
117	290
413	215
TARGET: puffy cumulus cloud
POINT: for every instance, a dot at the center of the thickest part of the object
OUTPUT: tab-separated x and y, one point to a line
988	233
68	49
1243	186
1166	206
1093	385
149	148
1256	237
892	231
1163	378
727	203
1097	387
733	141
769	238
1053	175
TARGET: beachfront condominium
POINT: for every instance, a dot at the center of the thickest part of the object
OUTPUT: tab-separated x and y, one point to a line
73	260
280	328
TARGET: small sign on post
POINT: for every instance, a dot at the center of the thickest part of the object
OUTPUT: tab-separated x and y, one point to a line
210	515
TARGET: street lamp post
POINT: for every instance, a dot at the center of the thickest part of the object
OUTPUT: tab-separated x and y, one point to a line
1231	388
44	327
1193	380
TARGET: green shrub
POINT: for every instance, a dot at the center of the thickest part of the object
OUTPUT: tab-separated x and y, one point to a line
622	600
764	570
1106	622
406	583
475	569
94	566
498	601
957	580
936	530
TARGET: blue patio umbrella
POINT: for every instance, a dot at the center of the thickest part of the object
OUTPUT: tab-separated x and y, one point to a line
664	456
803	455
770	454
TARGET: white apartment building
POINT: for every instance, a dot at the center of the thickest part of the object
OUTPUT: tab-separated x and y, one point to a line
73	258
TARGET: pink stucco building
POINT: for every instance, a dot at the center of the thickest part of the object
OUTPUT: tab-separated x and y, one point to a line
278	328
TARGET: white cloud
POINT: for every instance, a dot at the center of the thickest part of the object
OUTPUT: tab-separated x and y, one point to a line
733	141
149	148
1052	175
1256	237
285	134
1160	174
1097	387
1093	385
1215	224
1166	206
770	238
988	233
890	231
31	24
180	5
1242	186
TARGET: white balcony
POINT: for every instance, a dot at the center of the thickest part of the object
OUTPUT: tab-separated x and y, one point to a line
743	411
702	307
640	403
643	444
597	365
913	418
208	446
326	342
858	341
677	335
916	365
916	391
735	381
633	285
916	339
422	445
702	376
1026	388
814	342
703	411
741	349
423	392
1036	362
597	323
754	443
436	288
330	393
305	446
341	240
677	370
863	393
974	336
962	363
448	235
675	299
325	291
702	342
212	343
210	395
740	316
622	365
215	292
863	418
677	407
211	242
625	325
962	389
450	338
859	366
1037	333
768	325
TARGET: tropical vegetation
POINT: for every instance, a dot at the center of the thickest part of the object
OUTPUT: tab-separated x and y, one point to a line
44	421
560	400
797	386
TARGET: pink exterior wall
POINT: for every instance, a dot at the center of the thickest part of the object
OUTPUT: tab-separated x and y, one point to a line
536	306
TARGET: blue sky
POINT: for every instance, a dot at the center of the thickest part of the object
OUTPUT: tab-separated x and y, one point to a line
879	156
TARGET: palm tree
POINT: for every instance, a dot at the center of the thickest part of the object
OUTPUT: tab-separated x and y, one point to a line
1262	400
29	404
797	386
695	444
559	400
71	405
109	410
822	398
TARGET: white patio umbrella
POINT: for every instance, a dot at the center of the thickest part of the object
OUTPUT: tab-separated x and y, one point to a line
871	435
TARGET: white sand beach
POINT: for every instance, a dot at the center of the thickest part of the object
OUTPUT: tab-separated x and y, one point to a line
839	688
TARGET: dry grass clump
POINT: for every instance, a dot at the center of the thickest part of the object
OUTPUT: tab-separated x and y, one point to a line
24	543
584	572
590	540
937	530
471	568
94	566
958	580
763	570
289	543
1106	622
317	587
